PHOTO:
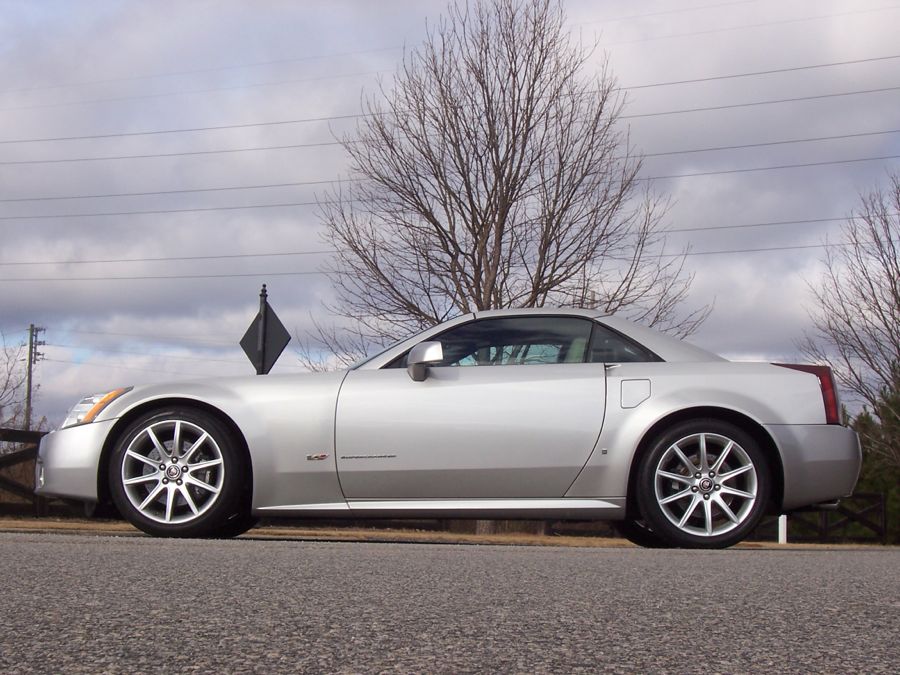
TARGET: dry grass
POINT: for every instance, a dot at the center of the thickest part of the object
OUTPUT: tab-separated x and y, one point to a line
119	528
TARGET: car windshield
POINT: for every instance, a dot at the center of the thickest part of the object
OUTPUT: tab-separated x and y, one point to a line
363	361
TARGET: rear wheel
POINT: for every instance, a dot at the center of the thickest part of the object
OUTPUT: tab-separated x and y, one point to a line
177	473
704	484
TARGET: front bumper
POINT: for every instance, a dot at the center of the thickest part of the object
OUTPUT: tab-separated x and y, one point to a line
69	459
821	462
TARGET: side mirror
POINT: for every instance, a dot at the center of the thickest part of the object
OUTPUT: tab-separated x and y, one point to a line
420	357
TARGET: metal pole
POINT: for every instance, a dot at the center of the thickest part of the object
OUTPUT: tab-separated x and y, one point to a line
29	361
782	529
32	358
261	341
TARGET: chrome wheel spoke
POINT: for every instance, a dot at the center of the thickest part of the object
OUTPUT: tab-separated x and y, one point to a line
146	478
195	446
684	460
191	480
726	510
704	458
176	440
154	493
687	480
170	501
736	472
141	458
160	448
185	493
204	465
678	495
689	511
737	493
707	512
722	457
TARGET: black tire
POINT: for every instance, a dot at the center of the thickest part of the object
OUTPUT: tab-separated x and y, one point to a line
193	490
236	525
717	502
637	532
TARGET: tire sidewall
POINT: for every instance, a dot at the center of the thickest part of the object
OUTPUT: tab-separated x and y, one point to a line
228	500
646	485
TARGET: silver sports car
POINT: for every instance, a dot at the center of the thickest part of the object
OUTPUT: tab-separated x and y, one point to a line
541	414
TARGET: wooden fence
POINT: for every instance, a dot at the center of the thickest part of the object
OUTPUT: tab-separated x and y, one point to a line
859	518
17	472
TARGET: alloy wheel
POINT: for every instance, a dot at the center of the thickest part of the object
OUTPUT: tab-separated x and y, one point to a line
173	471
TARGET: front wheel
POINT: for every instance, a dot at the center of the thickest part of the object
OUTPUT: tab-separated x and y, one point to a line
177	473
703	484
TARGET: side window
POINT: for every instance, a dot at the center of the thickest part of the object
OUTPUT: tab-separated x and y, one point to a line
517	341
608	346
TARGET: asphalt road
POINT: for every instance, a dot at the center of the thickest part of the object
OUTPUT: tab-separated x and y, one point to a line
88	604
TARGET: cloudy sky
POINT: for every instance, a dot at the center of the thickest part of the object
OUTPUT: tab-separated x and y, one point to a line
122	121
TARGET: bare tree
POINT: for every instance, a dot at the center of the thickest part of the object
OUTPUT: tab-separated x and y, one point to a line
857	308
492	174
12	381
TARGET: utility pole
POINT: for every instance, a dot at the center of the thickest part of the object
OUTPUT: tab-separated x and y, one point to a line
33	357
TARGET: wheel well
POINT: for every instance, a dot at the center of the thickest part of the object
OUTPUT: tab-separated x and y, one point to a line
162	404
748	425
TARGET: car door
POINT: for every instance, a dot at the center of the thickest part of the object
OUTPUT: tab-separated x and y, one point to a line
513	411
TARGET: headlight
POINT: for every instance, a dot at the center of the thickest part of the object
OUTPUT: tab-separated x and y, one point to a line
89	407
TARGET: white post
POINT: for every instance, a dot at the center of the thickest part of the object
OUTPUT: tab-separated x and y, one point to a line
782	529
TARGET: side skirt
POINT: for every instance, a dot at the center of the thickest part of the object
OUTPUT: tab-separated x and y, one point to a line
612	508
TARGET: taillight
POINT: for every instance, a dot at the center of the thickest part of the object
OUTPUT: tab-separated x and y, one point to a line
826	382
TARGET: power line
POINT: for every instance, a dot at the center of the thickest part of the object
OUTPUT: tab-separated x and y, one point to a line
180	337
248	125
315	57
52	216
314	203
763	144
177	192
758	103
151	355
770	168
187	92
234	362
768	224
169	154
91	364
320	272
208	90
304	120
258	275
168	259
338	143
202	70
669	11
755	73
750	250
398	48
764	24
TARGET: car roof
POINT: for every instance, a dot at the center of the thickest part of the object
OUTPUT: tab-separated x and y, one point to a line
543	311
